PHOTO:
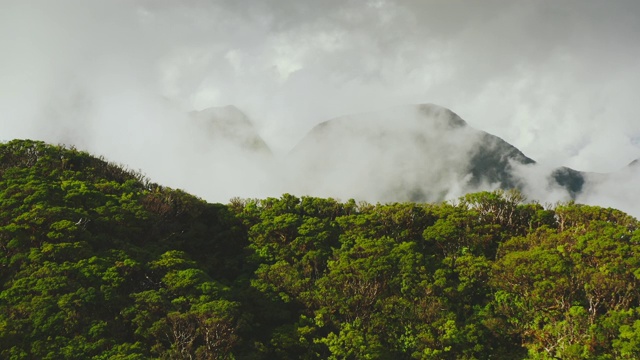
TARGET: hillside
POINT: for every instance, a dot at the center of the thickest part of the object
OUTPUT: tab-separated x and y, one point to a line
97	262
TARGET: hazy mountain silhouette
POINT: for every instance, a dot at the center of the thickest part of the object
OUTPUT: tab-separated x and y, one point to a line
229	124
416	152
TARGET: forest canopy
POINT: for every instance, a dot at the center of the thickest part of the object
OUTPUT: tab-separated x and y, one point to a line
97	262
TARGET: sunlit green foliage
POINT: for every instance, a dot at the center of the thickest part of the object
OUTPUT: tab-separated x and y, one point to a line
96	262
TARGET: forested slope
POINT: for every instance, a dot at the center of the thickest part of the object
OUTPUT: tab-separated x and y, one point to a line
96	262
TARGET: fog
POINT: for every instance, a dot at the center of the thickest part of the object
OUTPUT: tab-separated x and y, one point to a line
118	78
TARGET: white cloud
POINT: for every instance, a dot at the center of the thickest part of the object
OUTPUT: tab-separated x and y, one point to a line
556	79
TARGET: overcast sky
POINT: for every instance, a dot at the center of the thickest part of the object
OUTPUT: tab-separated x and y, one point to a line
557	79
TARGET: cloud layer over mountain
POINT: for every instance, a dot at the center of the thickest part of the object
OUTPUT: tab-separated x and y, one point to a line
558	80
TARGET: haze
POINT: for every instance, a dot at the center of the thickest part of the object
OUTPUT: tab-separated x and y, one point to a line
557	79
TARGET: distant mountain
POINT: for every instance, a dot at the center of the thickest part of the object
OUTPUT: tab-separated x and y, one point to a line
224	148
571	180
229	124
418	152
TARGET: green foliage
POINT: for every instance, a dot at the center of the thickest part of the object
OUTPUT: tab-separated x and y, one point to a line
98	263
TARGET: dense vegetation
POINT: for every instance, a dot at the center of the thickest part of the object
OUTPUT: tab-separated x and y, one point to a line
98	263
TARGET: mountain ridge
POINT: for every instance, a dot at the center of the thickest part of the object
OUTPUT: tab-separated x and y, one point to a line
438	154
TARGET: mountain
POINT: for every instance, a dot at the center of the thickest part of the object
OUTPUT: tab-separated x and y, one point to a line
221	147
229	125
573	181
417	152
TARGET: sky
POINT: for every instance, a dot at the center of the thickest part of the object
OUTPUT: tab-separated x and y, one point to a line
557	79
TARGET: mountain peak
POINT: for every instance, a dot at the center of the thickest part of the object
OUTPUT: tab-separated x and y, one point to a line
438	112
398	119
231	124
228	113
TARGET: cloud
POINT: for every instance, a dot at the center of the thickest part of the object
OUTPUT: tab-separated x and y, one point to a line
556	79
617	190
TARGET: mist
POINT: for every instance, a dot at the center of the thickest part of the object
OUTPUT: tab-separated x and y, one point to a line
558	80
